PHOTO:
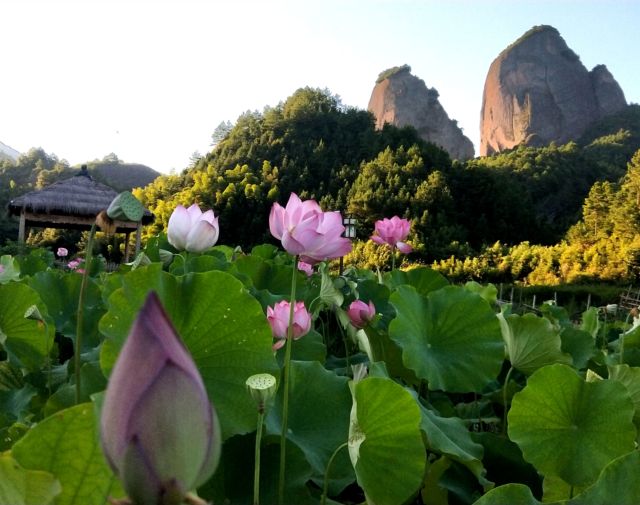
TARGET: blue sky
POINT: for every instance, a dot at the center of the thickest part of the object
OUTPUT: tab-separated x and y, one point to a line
150	80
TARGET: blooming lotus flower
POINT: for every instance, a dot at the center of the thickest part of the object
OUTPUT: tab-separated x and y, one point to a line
305	267
306	231
393	232
192	230
159	431
278	317
361	313
73	264
62	252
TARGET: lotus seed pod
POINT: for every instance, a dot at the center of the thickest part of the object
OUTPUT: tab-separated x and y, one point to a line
262	388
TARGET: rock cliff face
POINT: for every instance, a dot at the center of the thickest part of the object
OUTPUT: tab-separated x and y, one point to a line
538	91
402	99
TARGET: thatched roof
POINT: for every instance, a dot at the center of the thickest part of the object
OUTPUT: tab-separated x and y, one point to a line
77	197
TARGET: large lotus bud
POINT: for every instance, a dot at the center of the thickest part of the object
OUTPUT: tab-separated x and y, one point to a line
278	317
192	230
159	431
361	313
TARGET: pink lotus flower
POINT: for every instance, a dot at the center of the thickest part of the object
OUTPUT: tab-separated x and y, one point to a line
158	429
305	267
278	318
306	231
192	230
73	264
62	252
360	313
393	232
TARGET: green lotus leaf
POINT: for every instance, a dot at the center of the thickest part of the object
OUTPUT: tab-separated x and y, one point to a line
618	483
223	327
318	422
489	292
556	489
451	338
25	487
125	207
232	484
385	442
378	294
449	435
571	428
14	403
60	293
66	445
268	282
92	381
504	462
423	279
579	344
532	342
590	322
510	494
10	269
24	340
630	377
558	316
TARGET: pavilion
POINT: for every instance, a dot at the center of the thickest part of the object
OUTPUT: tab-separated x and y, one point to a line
72	203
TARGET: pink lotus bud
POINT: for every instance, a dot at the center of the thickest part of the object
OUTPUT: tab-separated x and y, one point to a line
278	318
159	431
192	230
360	313
393	232
1	269
62	252
306	231
305	267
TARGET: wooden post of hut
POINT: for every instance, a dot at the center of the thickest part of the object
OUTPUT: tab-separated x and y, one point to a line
22	227
127	235
138	237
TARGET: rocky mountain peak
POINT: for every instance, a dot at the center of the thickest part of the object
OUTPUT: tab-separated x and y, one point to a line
7	152
538	91
402	99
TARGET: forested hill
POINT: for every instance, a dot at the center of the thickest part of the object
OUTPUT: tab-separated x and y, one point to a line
313	145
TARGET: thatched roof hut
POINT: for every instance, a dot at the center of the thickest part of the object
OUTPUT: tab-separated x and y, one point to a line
72	203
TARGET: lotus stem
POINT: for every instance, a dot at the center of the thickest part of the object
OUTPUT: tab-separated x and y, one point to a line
48	346
626	322
256	467
285	397
504	399
326	472
79	316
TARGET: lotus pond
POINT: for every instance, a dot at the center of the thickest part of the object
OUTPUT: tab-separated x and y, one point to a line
439	396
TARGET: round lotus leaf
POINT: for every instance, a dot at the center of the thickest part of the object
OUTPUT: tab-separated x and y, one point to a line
571	428
532	342
451	338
